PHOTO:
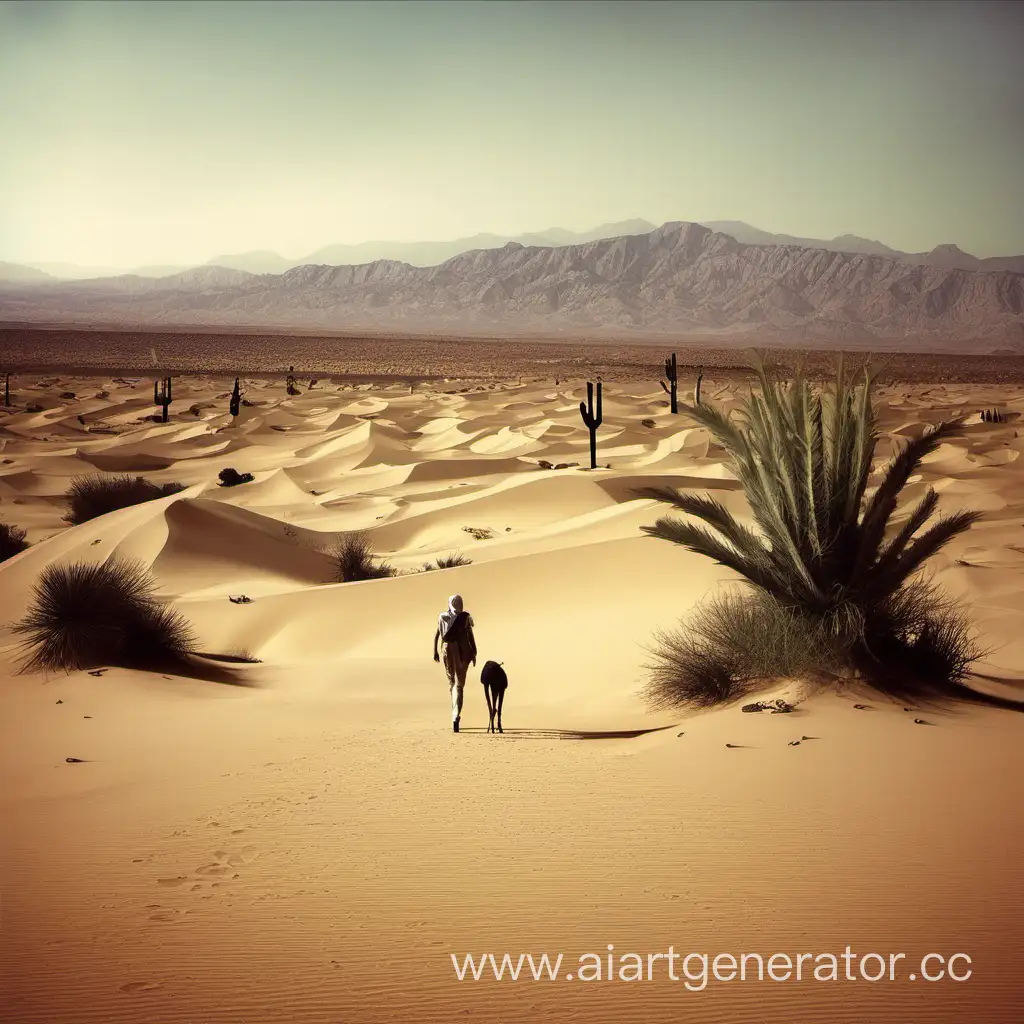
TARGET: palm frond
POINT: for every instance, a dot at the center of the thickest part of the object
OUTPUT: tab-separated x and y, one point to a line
912	558
883	502
921	513
701	541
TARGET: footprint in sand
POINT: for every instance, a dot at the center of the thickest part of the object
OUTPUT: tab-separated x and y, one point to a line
140	986
171	882
167	915
224	863
212	869
246	855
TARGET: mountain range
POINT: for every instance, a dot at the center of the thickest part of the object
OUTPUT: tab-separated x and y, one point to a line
265	261
683	278
430	254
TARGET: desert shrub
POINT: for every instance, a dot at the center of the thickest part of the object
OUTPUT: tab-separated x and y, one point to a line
917	648
92	496
83	616
352	560
647	423
452	560
449	561
232	478
917	645
12	540
842	577
729	643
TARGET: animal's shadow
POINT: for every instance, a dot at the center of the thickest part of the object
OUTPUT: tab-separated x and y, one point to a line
569	734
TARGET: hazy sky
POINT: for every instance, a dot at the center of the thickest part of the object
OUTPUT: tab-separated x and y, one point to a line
170	132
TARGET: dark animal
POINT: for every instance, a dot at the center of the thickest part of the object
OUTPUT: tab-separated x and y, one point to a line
495	683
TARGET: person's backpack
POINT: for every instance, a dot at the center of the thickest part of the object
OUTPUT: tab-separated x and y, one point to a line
458	633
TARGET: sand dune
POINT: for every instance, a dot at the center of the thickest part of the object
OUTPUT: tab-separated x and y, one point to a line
312	846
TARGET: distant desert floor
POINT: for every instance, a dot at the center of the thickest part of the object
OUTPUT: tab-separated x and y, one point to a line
314	844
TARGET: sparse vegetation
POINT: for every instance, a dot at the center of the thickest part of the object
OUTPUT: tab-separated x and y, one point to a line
837	585
83	616
730	644
671	388
353	560
479	532
449	561
647	423
162	396
232	478
592	419
12	540
92	496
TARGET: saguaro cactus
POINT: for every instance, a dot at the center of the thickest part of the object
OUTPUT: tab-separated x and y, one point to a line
236	399
673	381
162	395
290	386
7	390
592	419
696	390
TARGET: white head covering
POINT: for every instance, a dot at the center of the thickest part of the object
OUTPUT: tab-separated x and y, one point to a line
449	616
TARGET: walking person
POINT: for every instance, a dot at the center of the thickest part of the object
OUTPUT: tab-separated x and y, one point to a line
458	651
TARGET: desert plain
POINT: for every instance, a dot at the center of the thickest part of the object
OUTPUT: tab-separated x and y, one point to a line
307	841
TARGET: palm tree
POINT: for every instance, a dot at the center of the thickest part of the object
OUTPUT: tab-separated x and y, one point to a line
823	550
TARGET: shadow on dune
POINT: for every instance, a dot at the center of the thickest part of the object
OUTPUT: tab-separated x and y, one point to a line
626	488
1013	702
217	668
115	463
569	734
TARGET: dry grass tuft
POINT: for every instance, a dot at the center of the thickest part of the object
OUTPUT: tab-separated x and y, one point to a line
83	616
353	560
92	496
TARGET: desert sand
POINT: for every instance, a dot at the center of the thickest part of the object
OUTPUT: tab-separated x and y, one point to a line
313	843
